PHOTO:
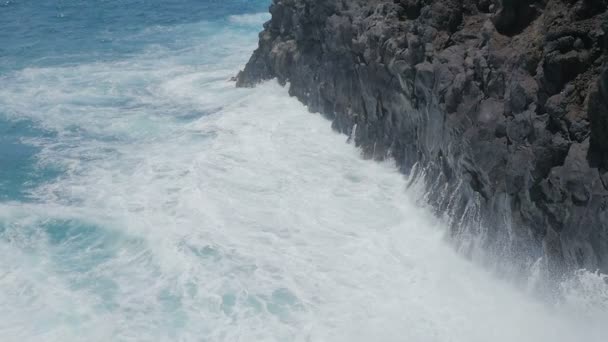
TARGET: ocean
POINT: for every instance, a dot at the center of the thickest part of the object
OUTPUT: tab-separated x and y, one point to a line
145	198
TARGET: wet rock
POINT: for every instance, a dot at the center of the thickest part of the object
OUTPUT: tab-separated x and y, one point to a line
513	16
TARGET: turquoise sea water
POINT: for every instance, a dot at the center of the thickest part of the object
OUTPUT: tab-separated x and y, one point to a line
62	32
144	198
44	34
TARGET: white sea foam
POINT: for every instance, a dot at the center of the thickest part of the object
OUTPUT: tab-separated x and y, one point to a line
190	210
249	19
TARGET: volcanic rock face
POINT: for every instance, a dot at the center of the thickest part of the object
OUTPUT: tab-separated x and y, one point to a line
499	106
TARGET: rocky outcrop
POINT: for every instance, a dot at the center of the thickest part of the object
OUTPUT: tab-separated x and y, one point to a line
499	106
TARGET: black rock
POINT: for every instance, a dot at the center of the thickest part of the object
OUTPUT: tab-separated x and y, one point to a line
502	105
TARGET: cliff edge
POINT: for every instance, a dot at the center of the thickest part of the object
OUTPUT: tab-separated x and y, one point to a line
500	107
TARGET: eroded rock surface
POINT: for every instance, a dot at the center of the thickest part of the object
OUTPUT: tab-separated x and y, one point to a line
501	106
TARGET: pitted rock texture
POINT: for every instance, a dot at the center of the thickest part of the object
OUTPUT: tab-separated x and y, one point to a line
501	106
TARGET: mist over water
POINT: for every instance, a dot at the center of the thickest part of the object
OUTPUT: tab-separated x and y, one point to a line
145	198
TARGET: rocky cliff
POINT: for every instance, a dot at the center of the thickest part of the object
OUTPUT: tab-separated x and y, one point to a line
500	107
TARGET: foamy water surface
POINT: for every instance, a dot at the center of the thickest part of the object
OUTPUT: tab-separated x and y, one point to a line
154	201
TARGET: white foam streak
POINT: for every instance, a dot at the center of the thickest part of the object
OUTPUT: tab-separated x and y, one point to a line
249	19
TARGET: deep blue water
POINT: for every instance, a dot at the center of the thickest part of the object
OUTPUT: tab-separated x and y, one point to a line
18	169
